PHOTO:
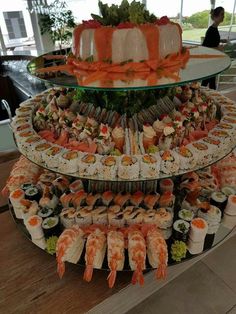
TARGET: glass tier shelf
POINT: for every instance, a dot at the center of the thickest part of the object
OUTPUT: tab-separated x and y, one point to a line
203	63
227	226
140	179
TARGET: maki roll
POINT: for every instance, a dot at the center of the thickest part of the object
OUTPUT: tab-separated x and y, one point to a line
60	185
52	155
150	216
76	186
231	206
51	226
92	199
15	197
128	167
108	167
34	226
186	158
219	200
88	165
201	151
26	186
107	197
100	215
186	214
45	212
228	190
67	217
133	215
169	162
39	150
84	216
32	194
166	185
164	218
137	198
149	166
69	162
180	230
198	230
121	199
116	216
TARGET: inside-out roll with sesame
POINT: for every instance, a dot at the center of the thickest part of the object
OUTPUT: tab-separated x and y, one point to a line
108	167
88	165
150	166
128	167
69	162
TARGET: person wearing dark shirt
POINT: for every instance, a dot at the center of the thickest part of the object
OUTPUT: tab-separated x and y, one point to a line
212	39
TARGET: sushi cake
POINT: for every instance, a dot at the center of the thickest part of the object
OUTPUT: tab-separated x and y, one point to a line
169	162
128	167
186	157
149	166
69	162
108	167
88	165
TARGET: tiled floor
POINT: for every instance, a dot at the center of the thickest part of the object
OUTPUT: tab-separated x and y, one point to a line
207	287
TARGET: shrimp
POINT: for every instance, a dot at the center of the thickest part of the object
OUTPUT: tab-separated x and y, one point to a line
115	254
69	248
156	250
137	255
95	252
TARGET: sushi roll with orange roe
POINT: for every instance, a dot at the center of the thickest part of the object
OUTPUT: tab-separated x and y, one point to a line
15	197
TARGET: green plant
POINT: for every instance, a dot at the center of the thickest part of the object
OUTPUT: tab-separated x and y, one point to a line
58	22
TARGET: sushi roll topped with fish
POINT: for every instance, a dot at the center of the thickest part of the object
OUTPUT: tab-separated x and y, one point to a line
128	167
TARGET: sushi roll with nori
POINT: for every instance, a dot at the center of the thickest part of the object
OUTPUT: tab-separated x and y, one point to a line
26	186
45	212
32	194
186	214
51	226
219	200
180	230
228	190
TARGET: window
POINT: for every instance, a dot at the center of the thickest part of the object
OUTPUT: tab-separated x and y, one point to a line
15	24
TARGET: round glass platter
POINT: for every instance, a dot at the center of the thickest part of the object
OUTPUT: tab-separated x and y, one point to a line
226	227
203	63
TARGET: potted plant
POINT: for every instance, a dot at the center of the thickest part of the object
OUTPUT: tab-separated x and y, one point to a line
58	22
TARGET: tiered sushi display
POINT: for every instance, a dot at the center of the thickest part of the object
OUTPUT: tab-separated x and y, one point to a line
192	128
118	228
